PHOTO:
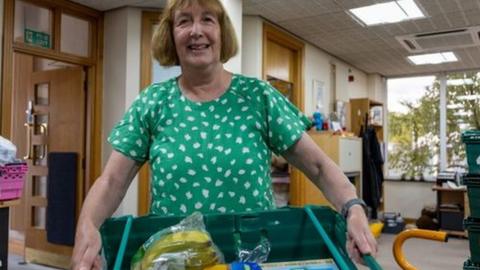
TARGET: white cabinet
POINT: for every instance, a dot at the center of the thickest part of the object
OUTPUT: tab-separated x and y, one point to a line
350	154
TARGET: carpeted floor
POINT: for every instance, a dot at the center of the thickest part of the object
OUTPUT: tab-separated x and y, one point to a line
16	263
423	254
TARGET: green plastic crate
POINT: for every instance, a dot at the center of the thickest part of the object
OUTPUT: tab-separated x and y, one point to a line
473	227
292	234
471	138
469	265
473	190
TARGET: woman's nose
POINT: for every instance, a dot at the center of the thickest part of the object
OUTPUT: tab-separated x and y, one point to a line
196	29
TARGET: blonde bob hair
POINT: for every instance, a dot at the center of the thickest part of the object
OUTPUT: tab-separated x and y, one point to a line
163	45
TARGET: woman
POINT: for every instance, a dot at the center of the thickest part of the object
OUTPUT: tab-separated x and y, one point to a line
209	136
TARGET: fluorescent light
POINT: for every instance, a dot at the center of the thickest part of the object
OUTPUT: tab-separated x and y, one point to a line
433	58
449	56
389	12
411	9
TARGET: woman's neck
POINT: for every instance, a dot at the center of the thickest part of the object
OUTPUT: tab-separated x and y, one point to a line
204	84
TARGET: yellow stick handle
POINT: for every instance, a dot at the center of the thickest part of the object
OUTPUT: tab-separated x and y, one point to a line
413	233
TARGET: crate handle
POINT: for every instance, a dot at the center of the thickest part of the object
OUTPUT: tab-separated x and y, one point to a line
123	244
369	260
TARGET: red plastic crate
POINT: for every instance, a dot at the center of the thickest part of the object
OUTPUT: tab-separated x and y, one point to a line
12	178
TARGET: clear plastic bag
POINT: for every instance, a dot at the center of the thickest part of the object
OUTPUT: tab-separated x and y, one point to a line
185	246
8	151
258	254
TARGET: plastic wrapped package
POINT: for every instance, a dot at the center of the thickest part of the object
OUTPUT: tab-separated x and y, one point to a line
256	254
8	151
185	246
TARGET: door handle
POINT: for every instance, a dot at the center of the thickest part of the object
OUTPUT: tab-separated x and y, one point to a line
30	126
31	129
43	131
29	141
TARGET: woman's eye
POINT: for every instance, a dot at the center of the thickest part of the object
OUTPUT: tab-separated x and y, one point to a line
208	19
182	21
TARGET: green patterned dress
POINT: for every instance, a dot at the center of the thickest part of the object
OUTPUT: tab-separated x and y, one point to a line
209	156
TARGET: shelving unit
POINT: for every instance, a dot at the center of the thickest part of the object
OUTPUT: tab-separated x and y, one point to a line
361	108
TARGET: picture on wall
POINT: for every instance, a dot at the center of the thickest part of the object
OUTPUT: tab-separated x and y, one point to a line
318	96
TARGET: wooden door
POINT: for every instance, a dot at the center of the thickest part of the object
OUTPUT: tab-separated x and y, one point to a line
49	117
282	67
282	63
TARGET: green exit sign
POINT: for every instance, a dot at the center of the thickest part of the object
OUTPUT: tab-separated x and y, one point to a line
36	38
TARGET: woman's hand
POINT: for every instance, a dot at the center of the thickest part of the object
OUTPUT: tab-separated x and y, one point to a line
87	247
326	175
359	239
103	198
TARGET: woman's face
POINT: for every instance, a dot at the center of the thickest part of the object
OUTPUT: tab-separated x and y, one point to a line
196	32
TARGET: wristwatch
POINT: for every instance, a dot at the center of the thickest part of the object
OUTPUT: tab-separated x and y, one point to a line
346	207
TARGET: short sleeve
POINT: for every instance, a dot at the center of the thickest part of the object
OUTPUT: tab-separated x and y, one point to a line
286	123
131	135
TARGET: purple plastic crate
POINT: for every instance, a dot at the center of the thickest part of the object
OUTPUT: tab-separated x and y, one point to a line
12	178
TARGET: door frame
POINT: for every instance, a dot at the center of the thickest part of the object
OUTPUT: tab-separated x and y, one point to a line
94	72
149	19
274	34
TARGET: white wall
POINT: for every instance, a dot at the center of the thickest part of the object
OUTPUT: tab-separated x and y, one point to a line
121	81
235	9
377	88
345	89
317	67
408	198
252	46
356	89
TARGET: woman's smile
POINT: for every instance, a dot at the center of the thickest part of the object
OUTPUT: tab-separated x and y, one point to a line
198	47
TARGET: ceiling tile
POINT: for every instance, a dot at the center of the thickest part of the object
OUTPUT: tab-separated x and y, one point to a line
457	19
425	25
447	5
469	4
430	7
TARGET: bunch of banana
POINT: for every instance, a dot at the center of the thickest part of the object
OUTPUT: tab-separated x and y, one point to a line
189	250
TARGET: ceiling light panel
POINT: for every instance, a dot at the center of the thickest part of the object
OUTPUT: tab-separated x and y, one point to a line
433	58
389	12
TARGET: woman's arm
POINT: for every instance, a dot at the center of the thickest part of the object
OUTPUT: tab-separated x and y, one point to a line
321	170
326	175
102	200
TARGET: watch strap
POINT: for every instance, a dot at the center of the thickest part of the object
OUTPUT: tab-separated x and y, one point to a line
346	207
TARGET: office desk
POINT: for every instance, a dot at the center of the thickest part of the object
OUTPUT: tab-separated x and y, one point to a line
4	218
